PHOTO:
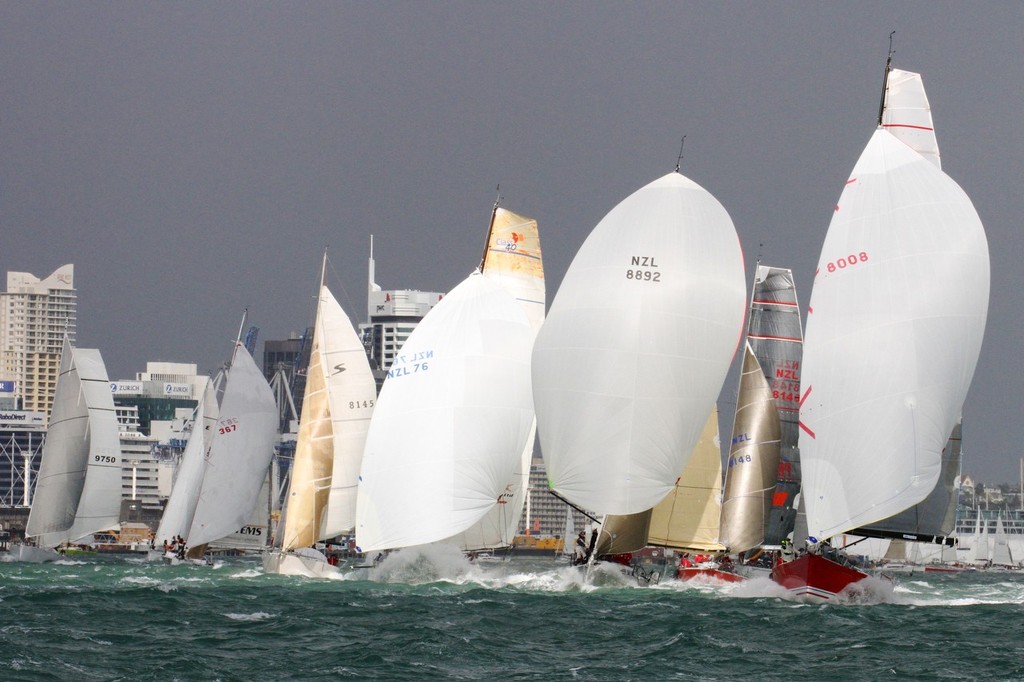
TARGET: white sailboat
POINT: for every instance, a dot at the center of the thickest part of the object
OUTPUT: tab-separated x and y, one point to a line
339	399
451	421
78	490
1002	554
512	259
237	457
636	347
894	329
181	505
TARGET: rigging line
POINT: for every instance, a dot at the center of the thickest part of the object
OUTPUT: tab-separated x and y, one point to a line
581	511
885	78
679	159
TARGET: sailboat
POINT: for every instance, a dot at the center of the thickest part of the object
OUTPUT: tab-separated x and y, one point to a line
1002	554
451	422
237	456
78	490
512	258
686	519
188	481
894	329
775	335
336	408
636	346
753	460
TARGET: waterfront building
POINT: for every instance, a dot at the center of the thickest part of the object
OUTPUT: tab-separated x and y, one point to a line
153	413
544	514
391	317
140	463
34	316
21	445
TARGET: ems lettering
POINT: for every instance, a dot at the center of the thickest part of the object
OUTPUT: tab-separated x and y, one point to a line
250	530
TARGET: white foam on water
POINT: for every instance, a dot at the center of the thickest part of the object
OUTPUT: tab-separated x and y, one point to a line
249	617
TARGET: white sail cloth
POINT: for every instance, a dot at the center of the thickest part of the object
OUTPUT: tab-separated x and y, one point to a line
336	408
894	329
78	491
636	346
181	505
239	456
450	423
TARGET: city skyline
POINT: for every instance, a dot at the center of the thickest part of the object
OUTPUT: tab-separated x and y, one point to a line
194	160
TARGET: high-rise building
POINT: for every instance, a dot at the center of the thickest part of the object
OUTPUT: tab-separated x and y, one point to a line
21	445
34	316
391	317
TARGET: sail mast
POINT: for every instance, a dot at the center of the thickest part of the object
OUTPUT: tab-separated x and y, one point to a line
490	228
885	80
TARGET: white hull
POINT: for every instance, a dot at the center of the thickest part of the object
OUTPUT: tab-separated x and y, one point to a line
309	564
30	554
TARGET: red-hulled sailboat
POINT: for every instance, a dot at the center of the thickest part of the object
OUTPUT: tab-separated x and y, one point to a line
894	328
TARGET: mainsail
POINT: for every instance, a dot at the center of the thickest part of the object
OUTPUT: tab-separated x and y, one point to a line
636	346
753	460
78	491
239	455
336	408
775	334
512	259
894	330
908	116
451	421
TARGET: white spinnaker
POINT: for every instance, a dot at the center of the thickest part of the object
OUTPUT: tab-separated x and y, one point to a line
908	116
894	329
513	260
181	505
636	346
239	455
351	392
451	421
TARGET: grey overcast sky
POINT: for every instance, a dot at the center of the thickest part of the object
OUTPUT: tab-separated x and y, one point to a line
195	158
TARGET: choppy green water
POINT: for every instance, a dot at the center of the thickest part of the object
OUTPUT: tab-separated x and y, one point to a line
436	616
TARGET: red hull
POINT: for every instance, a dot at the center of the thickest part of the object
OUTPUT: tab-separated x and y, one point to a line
709	573
812	575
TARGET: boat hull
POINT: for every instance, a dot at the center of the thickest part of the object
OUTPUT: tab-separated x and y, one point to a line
689	573
813	577
30	554
305	565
